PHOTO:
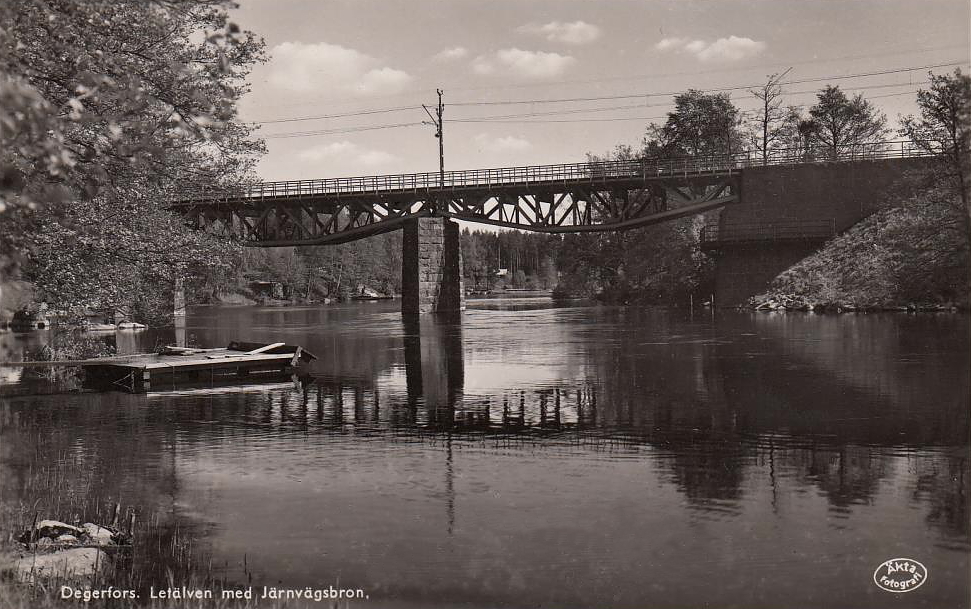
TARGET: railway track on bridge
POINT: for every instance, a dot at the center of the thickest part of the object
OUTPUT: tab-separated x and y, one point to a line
574	197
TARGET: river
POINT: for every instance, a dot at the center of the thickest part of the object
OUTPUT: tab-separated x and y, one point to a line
529	455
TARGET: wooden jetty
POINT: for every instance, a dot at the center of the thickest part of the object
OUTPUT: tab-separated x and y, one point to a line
176	366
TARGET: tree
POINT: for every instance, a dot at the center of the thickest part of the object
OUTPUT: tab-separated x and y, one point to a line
805	130
918	251
769	126
110	109
659	264
475	264
702	124
547	272
944	127
841	123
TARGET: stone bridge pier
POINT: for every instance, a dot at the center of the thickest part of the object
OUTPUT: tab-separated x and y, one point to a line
431	267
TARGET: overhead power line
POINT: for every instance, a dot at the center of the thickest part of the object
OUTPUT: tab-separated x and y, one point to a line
720	70
710	90
372	111
499	118
290	134
634	118
341	115
535	116
525	118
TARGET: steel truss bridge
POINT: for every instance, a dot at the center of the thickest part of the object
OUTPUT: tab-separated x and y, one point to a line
577	197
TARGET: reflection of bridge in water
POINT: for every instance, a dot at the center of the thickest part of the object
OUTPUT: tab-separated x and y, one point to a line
338	402
719	430
706	384
712	453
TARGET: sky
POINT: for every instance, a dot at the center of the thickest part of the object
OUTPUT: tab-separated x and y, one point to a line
531	82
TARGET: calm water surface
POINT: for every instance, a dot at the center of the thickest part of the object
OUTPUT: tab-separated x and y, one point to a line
532	456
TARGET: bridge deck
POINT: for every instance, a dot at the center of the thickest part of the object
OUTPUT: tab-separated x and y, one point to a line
574	197
544	175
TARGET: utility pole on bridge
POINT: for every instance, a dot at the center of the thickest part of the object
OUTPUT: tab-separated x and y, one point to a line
437	122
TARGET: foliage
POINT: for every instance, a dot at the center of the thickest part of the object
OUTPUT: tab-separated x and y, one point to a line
702	124
659	264
111	109
772	126
916	252
944	127
339	269
67	344
839	122
529	256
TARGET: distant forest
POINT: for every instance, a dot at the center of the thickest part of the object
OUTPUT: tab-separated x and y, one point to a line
491	260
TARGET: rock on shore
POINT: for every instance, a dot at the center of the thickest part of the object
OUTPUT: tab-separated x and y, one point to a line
72	564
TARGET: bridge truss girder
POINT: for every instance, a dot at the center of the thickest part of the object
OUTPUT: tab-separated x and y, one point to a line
592	206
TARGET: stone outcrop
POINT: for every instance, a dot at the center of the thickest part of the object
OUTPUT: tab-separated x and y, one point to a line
71	564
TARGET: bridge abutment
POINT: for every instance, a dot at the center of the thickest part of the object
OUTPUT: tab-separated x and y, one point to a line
785	213
431	267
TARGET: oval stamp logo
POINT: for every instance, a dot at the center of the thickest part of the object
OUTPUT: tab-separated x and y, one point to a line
900	575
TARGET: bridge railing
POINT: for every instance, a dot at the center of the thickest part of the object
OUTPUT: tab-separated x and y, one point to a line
592	171
843	152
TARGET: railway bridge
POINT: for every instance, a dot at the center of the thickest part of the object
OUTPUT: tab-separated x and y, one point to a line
766	203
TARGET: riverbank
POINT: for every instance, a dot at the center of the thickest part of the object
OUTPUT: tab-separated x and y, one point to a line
155	560
793	302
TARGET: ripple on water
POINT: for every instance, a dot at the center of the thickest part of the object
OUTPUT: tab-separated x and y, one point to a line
570	450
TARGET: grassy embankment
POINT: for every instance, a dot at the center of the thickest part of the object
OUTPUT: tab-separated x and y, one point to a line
897	259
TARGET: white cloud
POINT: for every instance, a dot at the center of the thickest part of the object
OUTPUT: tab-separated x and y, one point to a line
347	152
483	65
320	66
671	43
696	46
509	143
319	153
526	64
451	54
733	48
577	32
374	158
383	80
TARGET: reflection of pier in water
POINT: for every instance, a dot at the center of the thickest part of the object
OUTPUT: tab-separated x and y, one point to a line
721	435
332	403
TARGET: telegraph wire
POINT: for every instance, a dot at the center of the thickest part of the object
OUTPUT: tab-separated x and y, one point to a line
374	111
711	90
648	118
341	115
292	134
642	76
718	70
511	118
514	118
575	120
499	118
